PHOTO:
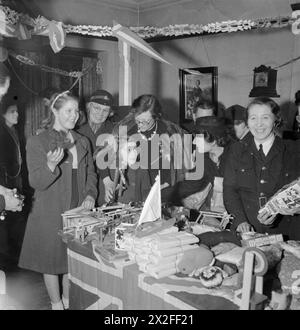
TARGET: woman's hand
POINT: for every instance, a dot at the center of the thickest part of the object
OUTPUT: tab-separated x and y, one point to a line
88	203
164	185
54	158
11	202
265	217
244	227
287	211
109	188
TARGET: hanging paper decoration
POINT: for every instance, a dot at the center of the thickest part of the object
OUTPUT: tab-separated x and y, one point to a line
22	32
40	26
57	36
6	29
54	30
136	42
28	61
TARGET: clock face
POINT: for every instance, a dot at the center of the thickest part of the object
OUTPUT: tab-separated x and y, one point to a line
261	79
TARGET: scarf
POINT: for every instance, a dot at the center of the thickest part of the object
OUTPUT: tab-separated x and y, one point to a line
94	127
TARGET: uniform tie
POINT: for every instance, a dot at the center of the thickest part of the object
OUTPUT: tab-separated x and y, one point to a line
261	152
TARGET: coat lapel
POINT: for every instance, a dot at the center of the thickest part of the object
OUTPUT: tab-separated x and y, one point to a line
276	148
81	146
249	149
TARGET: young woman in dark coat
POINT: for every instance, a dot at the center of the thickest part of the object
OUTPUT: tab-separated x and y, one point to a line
256	169
11	174
212	141
7	200
10	152
62	172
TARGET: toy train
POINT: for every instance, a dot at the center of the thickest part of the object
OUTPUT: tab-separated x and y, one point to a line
84	225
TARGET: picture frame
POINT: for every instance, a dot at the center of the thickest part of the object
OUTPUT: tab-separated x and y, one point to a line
195	84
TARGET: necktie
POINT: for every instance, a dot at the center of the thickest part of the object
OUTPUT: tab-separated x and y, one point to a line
261	152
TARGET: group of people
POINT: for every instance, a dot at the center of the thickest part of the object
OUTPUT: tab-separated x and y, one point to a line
238	173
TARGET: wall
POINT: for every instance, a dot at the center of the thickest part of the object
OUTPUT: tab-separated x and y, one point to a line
89	12
235	54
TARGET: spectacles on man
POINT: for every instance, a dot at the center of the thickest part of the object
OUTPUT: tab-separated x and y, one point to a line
99	108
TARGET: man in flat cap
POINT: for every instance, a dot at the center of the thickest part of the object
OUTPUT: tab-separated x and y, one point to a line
99	112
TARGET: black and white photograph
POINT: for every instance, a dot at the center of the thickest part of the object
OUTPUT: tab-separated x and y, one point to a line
149	158
196	85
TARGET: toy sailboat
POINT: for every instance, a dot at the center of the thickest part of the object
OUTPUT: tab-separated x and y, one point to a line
152	206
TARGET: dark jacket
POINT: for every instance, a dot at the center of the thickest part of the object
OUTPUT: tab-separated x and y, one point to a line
249	181
106	128
2	203
141	180
43	249
185	188
10	157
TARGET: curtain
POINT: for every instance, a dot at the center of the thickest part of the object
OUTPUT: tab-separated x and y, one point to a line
92	80
27	82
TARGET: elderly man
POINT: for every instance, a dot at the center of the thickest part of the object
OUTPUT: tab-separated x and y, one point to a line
99	112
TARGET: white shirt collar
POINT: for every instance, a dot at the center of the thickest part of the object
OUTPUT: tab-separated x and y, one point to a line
266	144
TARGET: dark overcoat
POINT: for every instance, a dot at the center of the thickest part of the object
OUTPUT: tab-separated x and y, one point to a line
10	157
250	181
43	250
105	128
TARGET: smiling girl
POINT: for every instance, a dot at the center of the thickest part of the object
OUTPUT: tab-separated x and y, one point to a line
62	173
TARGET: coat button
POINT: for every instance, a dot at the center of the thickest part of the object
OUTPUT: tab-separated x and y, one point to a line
264	168
261	194
262	181
286	174
243	170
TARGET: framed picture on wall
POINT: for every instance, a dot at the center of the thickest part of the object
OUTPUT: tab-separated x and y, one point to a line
196	84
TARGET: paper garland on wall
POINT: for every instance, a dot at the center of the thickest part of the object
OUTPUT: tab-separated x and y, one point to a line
13	24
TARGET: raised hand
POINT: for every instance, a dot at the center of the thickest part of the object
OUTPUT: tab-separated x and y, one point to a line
54	158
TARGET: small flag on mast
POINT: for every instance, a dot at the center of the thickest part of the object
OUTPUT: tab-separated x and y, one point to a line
152	207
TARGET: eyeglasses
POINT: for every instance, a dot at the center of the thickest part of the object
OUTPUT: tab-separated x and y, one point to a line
97	107
143	122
